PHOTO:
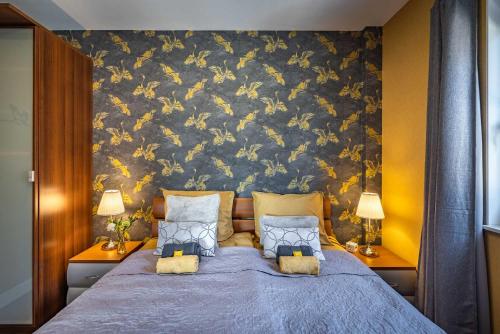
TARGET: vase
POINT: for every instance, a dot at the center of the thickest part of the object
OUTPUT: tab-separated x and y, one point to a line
120	248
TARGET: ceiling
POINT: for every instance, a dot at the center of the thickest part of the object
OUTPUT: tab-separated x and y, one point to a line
210	14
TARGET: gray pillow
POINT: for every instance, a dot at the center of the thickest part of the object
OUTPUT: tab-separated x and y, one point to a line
273	236
181	232
288	221
202	209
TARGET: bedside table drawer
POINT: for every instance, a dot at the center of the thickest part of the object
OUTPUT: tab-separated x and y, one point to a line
403	281
83	275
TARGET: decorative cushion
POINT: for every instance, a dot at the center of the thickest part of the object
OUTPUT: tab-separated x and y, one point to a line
292	236
202	209
288	221
289	205
225	224
242	239
181	232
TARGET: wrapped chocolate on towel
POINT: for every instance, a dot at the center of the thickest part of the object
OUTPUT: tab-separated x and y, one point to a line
284	250
185	264
188	248
308	265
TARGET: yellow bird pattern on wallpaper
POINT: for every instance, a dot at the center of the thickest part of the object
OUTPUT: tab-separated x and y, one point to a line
248	181
325	74
302	185
168	133
96	147
250	91
274	135
301	122
273	43
272	105
221	137
211	110
222	42
96	85
273	167
221	75
170	73
98	121
98	58
98	185
170	105
119	135
300	150
117	102
117	164
197	183
322	164
117	40
274	73
250	153
350	215
196	150
145	180
119	73
147	55
303	60
148	91
325	137
250	117
146	118
353	153
300	88
197	88
222	166
325	105
327	43
198	59
249	56
199	122
170	166
222	105
170	44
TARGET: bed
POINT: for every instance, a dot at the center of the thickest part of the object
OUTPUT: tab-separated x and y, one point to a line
238	291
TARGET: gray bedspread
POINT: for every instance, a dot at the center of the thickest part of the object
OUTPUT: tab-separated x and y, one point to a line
238	291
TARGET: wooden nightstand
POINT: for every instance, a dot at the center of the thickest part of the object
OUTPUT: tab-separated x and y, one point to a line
87	267
398	273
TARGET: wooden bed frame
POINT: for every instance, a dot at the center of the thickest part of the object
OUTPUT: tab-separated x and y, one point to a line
243	216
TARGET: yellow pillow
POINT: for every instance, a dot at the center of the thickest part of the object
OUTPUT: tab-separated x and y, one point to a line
290	205
225	224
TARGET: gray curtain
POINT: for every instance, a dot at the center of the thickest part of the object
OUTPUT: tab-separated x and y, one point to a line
452	282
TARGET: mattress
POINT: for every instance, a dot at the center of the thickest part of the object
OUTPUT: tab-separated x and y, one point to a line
238	291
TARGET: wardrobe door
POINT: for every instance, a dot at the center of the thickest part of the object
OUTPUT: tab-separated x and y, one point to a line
16	162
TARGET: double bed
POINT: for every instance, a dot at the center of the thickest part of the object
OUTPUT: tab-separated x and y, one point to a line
239	291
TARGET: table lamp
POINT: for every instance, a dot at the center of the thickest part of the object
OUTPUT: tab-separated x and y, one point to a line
111	205
369	207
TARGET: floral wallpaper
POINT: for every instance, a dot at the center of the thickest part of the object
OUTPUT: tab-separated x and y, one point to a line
285	112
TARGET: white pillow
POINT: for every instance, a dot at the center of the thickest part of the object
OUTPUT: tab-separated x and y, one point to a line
273	236
288	221
181	232
202	209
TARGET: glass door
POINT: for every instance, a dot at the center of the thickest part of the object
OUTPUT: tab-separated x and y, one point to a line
16	161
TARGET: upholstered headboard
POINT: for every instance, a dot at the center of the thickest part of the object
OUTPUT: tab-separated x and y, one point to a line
243	216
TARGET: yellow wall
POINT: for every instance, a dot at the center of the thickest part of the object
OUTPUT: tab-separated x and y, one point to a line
405	67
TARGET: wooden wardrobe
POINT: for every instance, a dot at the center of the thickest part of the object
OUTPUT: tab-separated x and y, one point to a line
45	164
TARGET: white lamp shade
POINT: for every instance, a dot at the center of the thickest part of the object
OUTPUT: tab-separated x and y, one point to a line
111	203
370	207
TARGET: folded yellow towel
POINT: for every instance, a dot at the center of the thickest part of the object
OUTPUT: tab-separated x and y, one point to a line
299	265
177	264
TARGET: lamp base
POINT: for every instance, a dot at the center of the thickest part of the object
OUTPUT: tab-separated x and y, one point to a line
368	251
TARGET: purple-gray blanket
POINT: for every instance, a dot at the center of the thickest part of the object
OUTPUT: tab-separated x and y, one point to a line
238	291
